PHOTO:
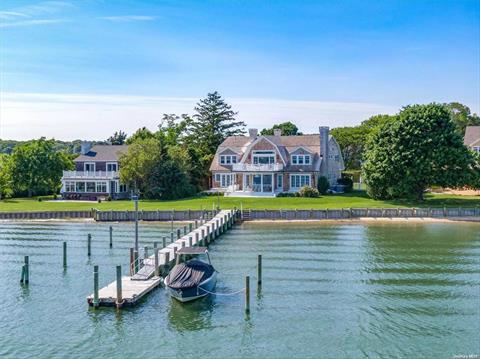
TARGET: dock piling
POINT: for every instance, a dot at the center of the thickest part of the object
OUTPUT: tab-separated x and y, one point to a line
132	259
95	286
190	227
247	295
111	236
178	233
190	241
119	302
64	254
171	237
145	252
89	244
184	230
157	272
259	272
164	242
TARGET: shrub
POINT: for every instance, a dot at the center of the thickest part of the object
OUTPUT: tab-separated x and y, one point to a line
310	192
99	200
287	194
39	199
211	194
55	196
347	182
323	185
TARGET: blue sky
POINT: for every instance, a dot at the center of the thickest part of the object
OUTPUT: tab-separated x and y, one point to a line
74	69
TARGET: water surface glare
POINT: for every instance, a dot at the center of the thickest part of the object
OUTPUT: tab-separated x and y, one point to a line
329	291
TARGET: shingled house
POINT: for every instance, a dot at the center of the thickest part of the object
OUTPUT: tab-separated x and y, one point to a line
258	165
472	138
96	174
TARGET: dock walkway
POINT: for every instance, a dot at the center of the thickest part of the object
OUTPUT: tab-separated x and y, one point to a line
155	267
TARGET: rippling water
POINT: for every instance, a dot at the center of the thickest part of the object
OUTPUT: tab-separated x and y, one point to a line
330	291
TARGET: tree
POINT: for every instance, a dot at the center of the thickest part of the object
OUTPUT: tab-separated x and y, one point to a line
404	157
323	185
118	138
6	181
288	129
213	121
37	167
141	134
462	117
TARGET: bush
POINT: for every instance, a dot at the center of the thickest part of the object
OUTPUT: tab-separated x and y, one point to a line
347	182
287	194
99	200
309	192
109	198
211	194
323	185
55	196
39	199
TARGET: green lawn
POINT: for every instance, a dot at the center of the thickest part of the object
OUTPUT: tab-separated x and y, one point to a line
351	200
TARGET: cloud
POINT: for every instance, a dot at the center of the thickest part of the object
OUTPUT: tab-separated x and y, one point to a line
91	116
128	18
41	13
32	22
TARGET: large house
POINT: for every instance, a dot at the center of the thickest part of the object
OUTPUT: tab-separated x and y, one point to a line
267	165
96	174
472	138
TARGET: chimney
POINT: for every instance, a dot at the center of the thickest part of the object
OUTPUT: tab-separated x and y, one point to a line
85	147
277	132
253	132
324	134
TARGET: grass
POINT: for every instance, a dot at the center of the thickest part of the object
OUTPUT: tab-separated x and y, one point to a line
356	199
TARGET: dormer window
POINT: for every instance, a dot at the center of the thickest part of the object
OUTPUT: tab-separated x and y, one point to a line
301	159
228	159
263	157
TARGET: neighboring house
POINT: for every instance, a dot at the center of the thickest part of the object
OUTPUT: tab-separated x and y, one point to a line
472	138
268	165
96	174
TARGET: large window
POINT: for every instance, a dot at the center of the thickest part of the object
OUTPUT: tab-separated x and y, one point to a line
225	179
90	187
263	157
89	167
298	181
301	159
112	167
102	187
69	186
80	187
228	159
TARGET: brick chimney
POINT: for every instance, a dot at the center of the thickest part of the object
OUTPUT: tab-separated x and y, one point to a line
277	132
253	132
324	134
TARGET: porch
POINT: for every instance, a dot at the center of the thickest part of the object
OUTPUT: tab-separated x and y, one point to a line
253	184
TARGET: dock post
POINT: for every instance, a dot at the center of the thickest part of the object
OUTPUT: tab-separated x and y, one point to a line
155	245
174	253
190	241
214	231
135	258
132	259
22	278
259	272
247	295
183	244
196	224
119	302
111	236
167	261
217	226
157	272
190	227
89	244
95	287
204	238
64	254
178	233
171	237
145	252
25	271
184	230
164	242
198	241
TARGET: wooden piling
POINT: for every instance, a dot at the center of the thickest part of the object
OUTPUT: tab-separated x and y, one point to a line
190	241
135	258
95	287
64	254
27	270
259	271
157	272
119	302
198	240
190	227
145	252
171	237
132	259
184	230
247	295
111	236
196	224
22	278
178	233
164	242
89	244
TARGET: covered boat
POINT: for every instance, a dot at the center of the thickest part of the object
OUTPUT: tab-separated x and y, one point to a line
193	278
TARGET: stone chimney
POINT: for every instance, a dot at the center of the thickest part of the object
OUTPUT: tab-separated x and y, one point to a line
253	132
277	132
324	134
85	147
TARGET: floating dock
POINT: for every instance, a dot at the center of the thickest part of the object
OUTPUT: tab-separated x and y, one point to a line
153	269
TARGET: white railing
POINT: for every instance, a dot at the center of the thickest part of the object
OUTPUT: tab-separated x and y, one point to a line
248	167
90	174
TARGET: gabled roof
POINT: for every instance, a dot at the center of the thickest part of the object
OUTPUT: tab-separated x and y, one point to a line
472	135
103	153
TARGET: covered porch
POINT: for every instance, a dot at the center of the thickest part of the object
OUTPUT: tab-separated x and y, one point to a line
256	184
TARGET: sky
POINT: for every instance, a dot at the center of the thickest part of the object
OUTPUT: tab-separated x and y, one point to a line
85	69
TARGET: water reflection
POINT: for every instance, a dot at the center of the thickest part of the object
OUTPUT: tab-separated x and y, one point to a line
192	316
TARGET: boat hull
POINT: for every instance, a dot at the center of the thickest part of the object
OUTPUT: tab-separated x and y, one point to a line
193	293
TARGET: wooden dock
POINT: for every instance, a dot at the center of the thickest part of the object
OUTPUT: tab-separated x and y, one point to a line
157	266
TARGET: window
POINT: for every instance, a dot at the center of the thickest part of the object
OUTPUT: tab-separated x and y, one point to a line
102	187
69	186
228	159
80	187
89	167
225	179
217	177
476	149
123	188
263	157
301	159
90	186
298	181
280	181
112	167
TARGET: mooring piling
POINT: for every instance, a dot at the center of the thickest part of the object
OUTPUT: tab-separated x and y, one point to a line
178	233
145	252
190	241
184	230
111	236
95	286
119	301
157	272
25	271
132	259
164	242
64	254
247	295
190	227
89	244
171	237
259	272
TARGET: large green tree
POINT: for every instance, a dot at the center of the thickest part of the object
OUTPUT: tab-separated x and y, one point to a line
118	138
288	129
37	167
6	180
420	149
462	117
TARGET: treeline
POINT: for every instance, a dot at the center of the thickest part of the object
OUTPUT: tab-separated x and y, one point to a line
71	147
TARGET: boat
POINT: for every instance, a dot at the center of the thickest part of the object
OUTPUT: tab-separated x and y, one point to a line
193	277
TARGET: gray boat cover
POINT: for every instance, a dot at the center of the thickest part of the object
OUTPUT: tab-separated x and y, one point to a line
189	274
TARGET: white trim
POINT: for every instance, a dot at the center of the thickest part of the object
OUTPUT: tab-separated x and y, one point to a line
247	151
111	163
89	163
231	149
309	175
301	147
